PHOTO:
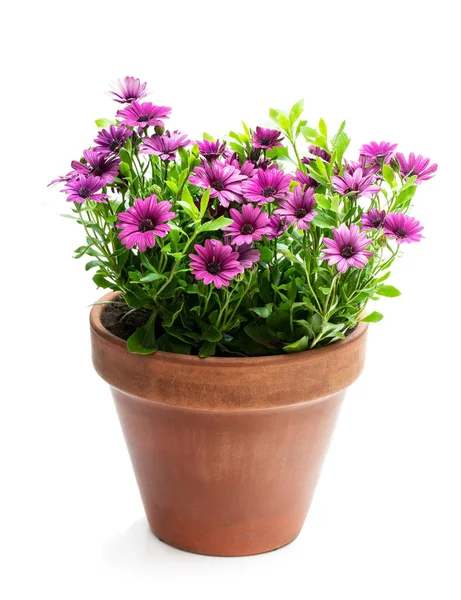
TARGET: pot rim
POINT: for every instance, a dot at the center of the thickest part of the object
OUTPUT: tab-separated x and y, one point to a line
187	359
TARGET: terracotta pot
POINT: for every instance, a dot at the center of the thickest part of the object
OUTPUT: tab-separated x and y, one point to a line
227	451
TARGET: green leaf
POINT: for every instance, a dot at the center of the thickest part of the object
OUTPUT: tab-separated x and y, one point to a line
207	136
187	198
216	224
125	169
284	123
388	290
204	201
125	156
94	263
104	122
172	186
388	174
210	333
298	346
404	197
309	133
296	111
323	128
373	317
207	349
262	335
102	282
170	315
142	341
151	277
192	214
322	201
324	221
263	311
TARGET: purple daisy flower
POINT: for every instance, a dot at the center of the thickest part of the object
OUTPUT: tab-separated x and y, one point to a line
320	152
224	181
277	226
246	168
367	168
378	152
355	184
143	221
85	188
297	208
112	140
267	139
165	145
143	115
267	185
248	226
305	180
101	165
402	228
128	89
211	150
247	256
347	248
64	178
373	219
416	165
215	263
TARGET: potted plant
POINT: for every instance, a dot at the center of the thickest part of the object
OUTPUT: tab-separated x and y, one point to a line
239	271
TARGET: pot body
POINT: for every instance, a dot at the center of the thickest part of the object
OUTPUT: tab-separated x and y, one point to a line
227	451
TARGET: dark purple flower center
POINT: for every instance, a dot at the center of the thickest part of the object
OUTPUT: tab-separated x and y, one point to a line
401	233
268	192
300	212
84	192
146	225
347	251
265	141
247	229
377	223
143	118
214	268
114	145
97	171
218	186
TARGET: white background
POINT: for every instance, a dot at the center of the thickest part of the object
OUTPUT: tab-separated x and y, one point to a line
385	520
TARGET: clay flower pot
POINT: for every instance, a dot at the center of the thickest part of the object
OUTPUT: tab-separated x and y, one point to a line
227	451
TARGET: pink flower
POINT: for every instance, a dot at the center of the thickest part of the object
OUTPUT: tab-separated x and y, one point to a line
143	115
81	188
355	184
267	139
143	221
128	89
248	226
416	166
277	226
266	186
211	150
224	181
373	219
402	228
248	256
347	248
165	145
378	153
215	263
298	207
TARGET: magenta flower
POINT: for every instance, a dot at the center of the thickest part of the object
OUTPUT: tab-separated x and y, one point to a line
211	150
165	145
246	168
305	180
224	181
248	226
64	178
416	166
402	228
277	226
247	256
378	153
298	207
143	115
215	263
101	165
317	151
143	221
367	167
355	184
267	185
85	188
112	140
373	219
347	248
266	139
128	89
